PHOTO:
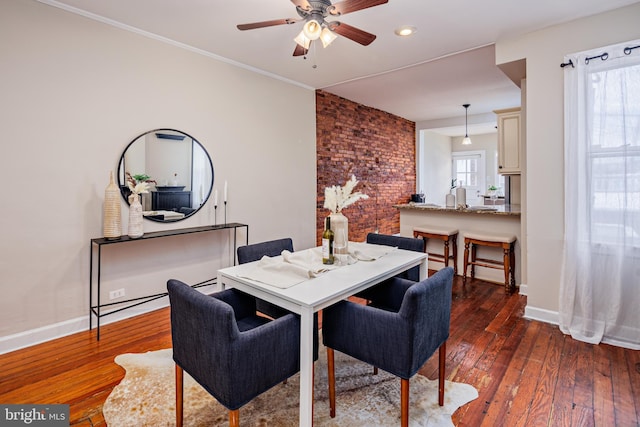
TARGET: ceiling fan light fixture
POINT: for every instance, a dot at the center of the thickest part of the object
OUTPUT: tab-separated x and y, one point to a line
327	37
312	14
466	140
312	29
302	40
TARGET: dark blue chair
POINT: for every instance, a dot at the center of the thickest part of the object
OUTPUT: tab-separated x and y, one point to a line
255	252
271	248
407	243
234	354
398	341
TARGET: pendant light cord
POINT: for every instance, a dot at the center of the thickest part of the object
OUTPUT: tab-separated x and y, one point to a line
466	140
466	120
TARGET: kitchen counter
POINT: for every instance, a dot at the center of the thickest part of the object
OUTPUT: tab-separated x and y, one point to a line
498	219
508	210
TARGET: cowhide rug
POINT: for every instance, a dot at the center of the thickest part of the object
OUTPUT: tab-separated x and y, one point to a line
146	397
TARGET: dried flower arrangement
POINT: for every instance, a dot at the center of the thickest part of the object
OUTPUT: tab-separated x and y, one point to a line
139	184
337	198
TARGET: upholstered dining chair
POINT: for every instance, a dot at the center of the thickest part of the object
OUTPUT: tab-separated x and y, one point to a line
255	252
398	339
407	243
271	248
234	354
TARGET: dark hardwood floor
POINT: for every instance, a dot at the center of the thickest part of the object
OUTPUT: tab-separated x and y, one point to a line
527	373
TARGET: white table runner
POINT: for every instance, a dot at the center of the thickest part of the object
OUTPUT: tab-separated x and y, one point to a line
292	268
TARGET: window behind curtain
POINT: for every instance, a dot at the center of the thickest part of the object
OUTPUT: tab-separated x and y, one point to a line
613	119
600	283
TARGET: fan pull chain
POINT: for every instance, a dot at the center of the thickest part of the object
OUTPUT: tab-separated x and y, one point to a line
313	46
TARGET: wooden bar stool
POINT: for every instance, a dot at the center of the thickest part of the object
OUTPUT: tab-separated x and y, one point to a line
448	235
508	263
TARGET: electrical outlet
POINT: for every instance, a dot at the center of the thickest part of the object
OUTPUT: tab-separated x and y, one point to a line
118	293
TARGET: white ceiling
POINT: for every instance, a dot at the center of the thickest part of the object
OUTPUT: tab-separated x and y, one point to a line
448	62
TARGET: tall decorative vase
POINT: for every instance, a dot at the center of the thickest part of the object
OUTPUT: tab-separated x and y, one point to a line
450	200
461	198
340	228
112	226
135	218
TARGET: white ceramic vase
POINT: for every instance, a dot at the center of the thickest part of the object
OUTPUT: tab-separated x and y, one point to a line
450	200
461	198
135	218
340	228
112	226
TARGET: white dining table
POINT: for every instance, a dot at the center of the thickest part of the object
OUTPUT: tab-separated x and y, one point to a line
314	294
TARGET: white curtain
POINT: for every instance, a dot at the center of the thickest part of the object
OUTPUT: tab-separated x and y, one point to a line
600	285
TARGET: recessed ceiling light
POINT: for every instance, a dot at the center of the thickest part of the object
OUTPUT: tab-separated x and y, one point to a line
405	30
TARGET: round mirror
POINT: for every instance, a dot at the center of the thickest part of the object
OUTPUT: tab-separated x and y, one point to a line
177	169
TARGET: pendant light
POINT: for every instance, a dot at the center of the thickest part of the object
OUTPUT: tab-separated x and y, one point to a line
466	140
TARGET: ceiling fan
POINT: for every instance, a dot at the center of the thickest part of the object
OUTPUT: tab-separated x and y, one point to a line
314	13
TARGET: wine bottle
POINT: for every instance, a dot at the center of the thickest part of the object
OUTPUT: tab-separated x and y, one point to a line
327	243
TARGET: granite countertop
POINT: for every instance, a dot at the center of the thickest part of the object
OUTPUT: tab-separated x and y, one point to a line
507	210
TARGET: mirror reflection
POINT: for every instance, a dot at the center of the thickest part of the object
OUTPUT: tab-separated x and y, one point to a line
177	168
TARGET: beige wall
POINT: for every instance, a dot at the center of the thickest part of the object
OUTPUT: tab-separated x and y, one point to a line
544	51
434	166
75	92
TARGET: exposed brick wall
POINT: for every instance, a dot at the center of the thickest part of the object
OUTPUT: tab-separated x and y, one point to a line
378	148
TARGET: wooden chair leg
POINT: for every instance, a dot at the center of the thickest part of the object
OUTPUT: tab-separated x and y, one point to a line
512	266
446	253
332	382
179	396
474	257
465	264
404	402
507	262
454	246
234	418
442	355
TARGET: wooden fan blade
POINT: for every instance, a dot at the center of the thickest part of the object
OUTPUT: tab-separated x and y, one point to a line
299	50
263	24
348	6
353	33
303	4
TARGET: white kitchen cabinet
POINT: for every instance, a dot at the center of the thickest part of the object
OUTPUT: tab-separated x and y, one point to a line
509	141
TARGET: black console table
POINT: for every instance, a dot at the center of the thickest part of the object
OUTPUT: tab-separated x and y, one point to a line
94	310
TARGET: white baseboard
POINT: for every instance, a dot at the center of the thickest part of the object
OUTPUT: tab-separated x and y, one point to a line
553	317
523	289
541	314
68	327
